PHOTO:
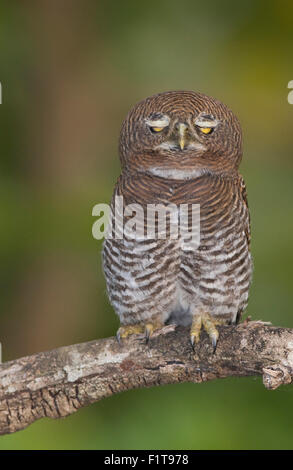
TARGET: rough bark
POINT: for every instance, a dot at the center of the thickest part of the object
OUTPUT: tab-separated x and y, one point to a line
59	382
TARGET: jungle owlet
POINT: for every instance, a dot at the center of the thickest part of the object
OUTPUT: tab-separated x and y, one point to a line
181	147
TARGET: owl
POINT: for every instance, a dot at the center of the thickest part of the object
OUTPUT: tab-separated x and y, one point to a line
181	147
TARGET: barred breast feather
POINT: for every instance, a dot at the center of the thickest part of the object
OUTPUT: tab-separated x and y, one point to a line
149	278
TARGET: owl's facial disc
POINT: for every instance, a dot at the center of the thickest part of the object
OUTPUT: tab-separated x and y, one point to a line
182	134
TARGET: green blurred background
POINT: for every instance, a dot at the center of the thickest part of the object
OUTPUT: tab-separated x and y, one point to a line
70	71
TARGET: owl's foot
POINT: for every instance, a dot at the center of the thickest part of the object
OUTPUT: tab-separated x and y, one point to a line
127	330
150	327
209	323
139	328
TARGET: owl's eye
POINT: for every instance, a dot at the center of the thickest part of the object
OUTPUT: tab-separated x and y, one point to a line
157	122
206	130
157	129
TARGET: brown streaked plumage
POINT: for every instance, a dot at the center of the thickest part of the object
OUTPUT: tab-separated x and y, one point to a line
182	147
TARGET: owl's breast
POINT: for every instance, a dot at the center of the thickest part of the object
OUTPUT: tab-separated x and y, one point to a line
213	273
217	275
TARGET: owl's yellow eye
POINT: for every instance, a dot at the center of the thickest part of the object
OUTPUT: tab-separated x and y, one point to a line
206	130
157	129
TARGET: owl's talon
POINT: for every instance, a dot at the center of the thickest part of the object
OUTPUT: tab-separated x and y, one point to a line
209	323
150	328
214	339
192	341
118	337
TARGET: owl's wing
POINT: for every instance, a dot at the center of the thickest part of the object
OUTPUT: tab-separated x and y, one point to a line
243	193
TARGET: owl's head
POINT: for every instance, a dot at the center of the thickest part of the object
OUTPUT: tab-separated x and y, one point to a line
180	135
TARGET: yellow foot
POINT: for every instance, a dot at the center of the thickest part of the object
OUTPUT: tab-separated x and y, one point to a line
127	330
137	329
209	323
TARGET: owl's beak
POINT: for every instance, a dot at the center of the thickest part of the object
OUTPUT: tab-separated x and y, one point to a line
182	134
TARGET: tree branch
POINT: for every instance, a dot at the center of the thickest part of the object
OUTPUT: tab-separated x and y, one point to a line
59	382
